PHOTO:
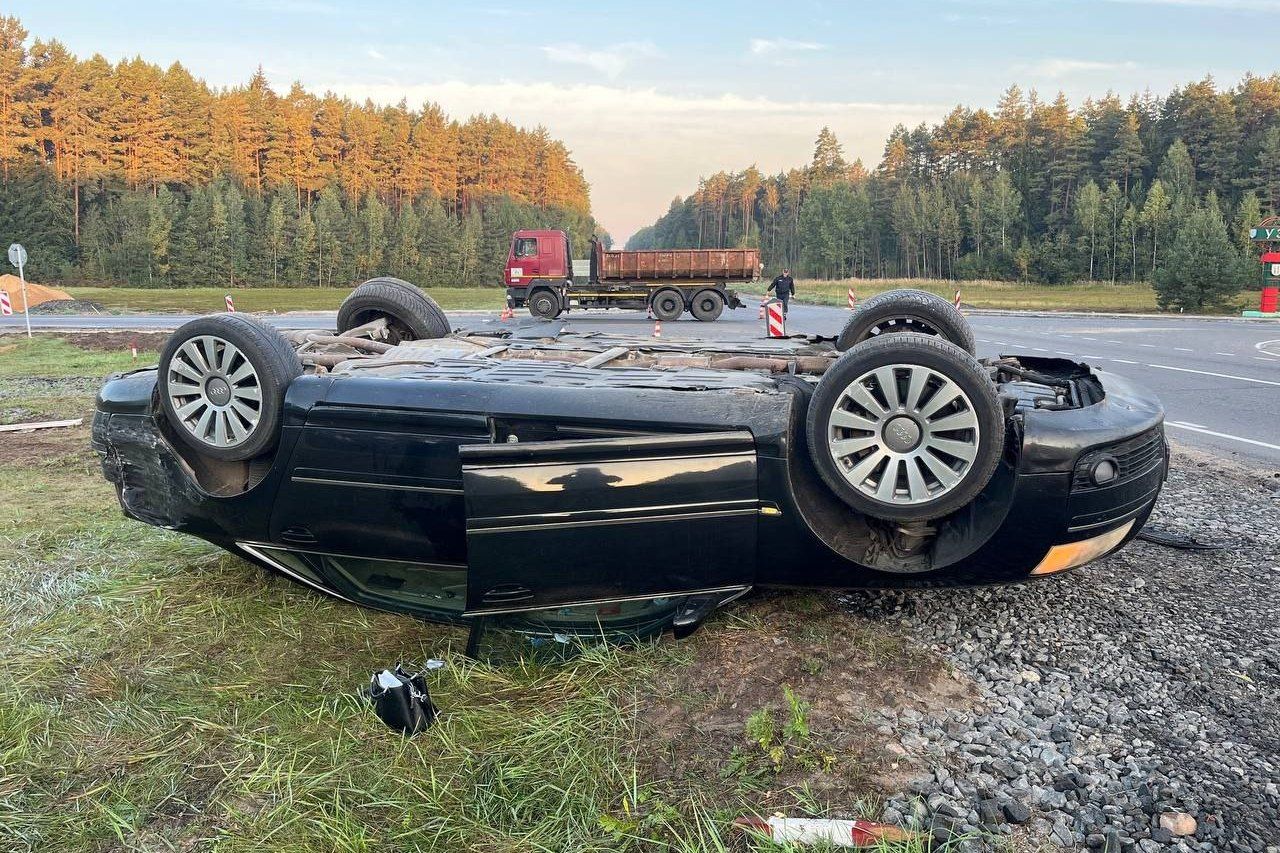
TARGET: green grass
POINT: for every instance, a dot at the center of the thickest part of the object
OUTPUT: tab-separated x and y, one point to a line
280	299
159	694
1092	296
55	358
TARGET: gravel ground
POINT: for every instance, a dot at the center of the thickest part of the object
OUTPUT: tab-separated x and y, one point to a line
1120	702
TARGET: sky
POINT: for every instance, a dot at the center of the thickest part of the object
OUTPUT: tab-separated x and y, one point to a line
650	96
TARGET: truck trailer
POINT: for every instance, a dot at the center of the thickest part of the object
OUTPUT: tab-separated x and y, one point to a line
542	276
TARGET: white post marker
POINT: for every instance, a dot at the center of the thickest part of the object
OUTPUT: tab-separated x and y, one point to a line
18	257
957	302
6	307
231	306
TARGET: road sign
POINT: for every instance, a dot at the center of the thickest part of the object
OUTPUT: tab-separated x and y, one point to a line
18	257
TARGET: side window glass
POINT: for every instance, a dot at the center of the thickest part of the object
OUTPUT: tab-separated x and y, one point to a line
526	247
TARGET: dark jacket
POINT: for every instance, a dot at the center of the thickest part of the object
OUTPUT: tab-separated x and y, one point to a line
785	285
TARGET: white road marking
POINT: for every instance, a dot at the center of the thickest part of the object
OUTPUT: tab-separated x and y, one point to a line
982	340
1183	349
1088	339
1264	358
1190	424
1219	375
1225	353
1039	349
1147	345
1060	352
1124	361
1116	342
1228	436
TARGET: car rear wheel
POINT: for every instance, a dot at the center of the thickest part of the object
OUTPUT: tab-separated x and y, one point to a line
667	304
707	305
410	313
906	428
915	311
545	304
222	380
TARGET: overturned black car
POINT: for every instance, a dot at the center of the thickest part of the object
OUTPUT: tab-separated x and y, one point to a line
537	478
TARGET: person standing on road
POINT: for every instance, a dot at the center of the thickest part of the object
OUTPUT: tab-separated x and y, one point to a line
784	285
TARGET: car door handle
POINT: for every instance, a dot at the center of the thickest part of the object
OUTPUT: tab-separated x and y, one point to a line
507	593
297	536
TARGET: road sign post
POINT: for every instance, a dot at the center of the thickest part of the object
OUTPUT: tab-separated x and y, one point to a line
18	257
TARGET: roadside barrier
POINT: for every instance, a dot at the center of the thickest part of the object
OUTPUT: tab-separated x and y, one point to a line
657	328
6	307
231	306
776	324
853	300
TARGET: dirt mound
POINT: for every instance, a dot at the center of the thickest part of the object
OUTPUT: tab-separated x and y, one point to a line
36	293
67	306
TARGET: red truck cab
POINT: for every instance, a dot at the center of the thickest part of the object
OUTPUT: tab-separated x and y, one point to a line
538	256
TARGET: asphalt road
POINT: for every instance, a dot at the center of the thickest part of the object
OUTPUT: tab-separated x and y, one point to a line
1218	378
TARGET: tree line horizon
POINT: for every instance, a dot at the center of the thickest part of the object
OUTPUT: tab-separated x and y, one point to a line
132	173
1159	190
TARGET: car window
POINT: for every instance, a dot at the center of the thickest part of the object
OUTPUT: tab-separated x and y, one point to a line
526	247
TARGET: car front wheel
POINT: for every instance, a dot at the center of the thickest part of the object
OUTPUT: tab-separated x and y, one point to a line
906	428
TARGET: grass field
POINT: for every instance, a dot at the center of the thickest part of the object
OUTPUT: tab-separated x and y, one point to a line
1094	296
209	299
159	694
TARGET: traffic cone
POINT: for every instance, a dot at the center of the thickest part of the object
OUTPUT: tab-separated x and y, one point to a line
657	328
760	316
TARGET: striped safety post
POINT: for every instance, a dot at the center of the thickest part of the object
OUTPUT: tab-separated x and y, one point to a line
6	307
231	306
956	302
776	321
853	300
836	833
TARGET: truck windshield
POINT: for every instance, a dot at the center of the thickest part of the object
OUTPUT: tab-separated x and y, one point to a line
526	247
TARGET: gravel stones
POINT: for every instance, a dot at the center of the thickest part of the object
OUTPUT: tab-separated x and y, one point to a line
1109	706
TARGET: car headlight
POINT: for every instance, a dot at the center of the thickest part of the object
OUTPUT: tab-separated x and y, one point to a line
1068	556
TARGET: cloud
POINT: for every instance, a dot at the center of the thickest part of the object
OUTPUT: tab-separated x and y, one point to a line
640	147
1058	67
373	53
610	60
769	47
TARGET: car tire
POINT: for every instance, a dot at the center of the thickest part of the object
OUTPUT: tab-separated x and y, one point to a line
918	453
667	304
914	311
411	314
706	305
222	381
545	303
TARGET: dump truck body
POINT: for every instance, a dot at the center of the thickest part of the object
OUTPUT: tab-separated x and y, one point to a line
541	275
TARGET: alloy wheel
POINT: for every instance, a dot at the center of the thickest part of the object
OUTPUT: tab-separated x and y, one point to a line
215	391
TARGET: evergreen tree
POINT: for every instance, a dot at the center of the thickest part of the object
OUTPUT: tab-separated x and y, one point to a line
1202	268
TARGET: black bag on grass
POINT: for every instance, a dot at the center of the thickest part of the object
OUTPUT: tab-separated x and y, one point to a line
401	700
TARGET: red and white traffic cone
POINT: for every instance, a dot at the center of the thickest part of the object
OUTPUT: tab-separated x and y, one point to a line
231	306
760	316
648	311
837	833
853	300
657	328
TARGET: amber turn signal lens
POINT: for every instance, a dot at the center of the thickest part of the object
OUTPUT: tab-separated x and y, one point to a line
1072	554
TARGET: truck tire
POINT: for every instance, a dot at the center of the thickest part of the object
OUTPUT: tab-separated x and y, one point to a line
411	314
222	380
667	304
897	311
544	303
706	305
906	427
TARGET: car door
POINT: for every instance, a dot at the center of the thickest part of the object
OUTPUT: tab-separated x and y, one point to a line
552	523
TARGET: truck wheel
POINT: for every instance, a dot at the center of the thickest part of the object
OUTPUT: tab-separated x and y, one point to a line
906	428
667	304
545	304
706	305
915	311
410	313
222	380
